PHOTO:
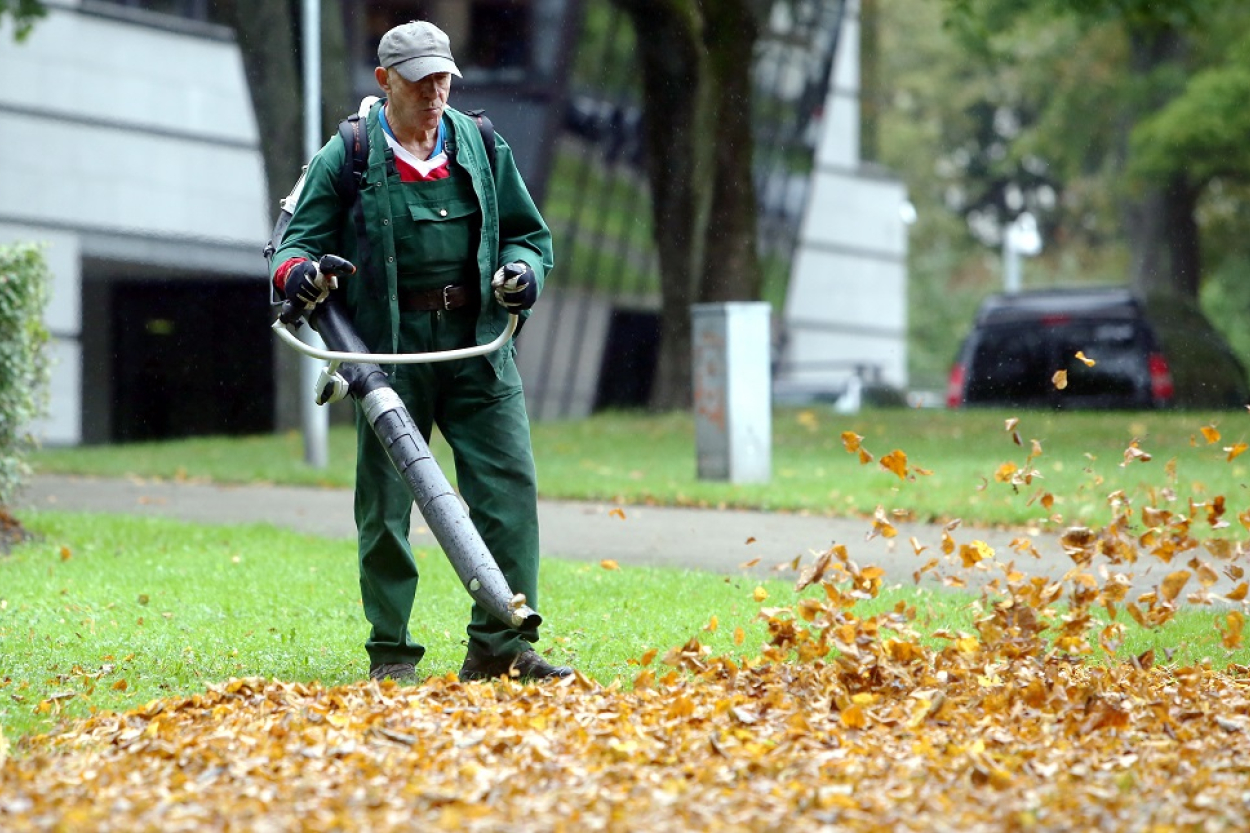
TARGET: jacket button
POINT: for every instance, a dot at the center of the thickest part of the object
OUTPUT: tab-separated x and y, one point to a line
442	212
390	260
386	222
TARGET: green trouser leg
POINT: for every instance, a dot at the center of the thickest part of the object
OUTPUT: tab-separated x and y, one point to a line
388	572
484	421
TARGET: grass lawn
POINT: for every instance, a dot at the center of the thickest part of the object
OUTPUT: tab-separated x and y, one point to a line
112	612
634	457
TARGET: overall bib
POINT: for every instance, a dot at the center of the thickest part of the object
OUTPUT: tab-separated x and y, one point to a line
480	413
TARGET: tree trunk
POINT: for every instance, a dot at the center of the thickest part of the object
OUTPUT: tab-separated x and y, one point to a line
1166	258
267	33
1160	218
337	100
731	268
12	532
265	30
675	121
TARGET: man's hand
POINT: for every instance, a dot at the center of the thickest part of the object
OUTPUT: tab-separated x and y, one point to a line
515	286
309	284
306	286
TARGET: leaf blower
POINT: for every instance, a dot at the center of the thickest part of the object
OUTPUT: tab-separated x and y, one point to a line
354	371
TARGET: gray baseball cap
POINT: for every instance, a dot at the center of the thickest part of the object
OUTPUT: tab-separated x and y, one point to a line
417	49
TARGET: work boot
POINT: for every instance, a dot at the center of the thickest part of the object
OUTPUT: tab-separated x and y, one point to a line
527	665
400	672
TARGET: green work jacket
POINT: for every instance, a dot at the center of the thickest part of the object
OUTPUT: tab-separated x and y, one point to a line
512	229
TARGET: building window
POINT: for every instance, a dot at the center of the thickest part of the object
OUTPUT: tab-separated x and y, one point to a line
203	10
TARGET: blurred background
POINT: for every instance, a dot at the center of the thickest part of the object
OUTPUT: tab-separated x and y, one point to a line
857	164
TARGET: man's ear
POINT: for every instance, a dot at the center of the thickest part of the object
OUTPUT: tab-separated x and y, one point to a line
379	73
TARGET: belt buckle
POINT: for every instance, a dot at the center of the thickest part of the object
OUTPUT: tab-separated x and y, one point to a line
446	298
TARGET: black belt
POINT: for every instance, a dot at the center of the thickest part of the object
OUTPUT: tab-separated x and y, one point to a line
449	297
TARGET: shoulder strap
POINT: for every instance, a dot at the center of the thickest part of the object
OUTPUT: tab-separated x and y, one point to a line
488	133
355	161
355	136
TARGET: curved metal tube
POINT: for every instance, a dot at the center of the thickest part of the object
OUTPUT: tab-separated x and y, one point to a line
286	335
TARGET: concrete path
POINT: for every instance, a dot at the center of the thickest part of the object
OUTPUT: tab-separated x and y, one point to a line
721	541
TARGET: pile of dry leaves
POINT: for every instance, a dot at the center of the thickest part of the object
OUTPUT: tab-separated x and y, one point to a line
1030	720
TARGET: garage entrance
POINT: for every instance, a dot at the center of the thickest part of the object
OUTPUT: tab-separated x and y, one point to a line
190	358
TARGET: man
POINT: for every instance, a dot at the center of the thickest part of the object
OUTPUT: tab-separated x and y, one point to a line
441	221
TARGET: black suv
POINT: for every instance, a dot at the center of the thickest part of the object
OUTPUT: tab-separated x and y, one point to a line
1020	341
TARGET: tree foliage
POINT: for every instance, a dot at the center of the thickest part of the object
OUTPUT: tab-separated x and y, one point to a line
1132	133
1054	107
1203	131
24	14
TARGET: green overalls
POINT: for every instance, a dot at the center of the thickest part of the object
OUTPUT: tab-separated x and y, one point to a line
477	403
481	413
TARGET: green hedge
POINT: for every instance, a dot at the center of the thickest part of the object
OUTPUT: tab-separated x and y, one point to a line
24	286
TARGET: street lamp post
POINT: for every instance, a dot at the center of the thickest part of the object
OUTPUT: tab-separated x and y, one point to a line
314	418
1021	238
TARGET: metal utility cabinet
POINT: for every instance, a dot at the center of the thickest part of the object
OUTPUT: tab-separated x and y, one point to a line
732	391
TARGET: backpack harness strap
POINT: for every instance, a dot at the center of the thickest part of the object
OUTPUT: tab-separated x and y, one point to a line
356	161
488	134
355	140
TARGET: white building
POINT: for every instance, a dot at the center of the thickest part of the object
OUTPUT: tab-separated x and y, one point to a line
132	153
845	318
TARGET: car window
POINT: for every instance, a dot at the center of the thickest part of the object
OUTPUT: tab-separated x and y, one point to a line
1119	354
1015	364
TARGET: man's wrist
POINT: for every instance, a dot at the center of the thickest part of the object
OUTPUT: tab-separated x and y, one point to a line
284	272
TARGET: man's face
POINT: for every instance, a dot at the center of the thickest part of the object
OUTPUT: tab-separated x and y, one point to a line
419	103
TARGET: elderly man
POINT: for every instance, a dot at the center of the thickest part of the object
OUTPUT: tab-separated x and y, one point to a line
449	242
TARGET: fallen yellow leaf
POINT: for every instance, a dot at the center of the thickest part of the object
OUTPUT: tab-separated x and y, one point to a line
853	717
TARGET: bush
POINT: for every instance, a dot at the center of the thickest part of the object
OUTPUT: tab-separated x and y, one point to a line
1226	300
24	287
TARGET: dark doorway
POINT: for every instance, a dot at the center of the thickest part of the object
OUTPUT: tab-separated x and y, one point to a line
190	358
629	359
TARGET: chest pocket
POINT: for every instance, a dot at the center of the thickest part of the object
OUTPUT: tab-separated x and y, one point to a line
442	231
423	210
